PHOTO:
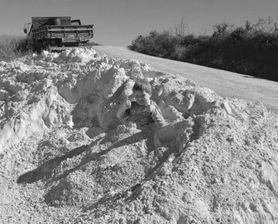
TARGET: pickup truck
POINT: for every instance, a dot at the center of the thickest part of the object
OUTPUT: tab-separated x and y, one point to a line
56	33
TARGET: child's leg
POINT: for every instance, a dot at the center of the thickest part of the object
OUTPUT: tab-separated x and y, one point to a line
177	133
163	135
183	138
183	134
156	140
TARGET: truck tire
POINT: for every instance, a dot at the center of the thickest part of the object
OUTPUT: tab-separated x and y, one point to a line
38	46
46	46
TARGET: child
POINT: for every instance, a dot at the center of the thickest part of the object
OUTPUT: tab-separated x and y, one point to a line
139	108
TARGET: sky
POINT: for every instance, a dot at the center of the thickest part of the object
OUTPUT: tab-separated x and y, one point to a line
118	22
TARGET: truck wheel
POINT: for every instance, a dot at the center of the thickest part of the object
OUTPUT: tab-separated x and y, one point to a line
40	47
37	47
46	47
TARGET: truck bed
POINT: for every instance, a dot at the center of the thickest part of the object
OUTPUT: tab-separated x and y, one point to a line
69	33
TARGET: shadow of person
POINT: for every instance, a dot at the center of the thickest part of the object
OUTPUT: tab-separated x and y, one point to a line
130	194
108	201
45	170
94	156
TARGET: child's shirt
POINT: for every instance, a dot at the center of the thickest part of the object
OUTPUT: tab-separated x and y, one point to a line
143	115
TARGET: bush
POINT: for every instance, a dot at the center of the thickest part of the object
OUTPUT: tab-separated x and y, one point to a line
250	49
12	47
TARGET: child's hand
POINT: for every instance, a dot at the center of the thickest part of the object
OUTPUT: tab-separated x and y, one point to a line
123	107
132	98
127	103
149	108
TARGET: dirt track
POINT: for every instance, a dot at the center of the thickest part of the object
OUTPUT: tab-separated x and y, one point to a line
223	82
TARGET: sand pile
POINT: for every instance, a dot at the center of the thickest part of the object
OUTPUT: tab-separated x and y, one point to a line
66	158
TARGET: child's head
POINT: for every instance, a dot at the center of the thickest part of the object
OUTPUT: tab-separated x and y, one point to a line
142	92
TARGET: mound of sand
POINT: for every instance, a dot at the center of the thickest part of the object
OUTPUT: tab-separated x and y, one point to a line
66	158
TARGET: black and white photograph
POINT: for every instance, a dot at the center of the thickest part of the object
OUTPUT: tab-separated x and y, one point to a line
138	112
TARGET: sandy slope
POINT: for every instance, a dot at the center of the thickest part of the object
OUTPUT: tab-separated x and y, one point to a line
66	158
223	82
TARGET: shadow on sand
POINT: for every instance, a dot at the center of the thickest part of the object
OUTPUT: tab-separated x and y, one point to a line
45	170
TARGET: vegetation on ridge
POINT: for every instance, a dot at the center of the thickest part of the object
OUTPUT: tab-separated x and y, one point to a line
250	49
12	46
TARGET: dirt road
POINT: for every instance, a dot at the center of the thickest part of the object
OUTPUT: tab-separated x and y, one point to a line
223	82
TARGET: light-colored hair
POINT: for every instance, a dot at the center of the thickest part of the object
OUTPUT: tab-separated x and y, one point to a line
142	85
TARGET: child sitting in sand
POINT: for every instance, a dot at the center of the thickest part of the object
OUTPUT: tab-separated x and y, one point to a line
139	108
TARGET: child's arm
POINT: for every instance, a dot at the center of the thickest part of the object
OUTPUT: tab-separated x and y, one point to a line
156	114
126	91
122	109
